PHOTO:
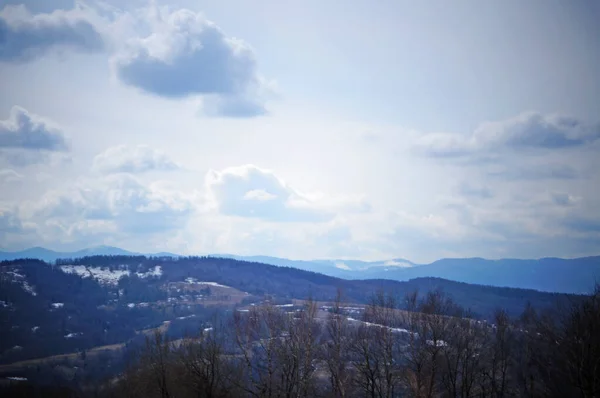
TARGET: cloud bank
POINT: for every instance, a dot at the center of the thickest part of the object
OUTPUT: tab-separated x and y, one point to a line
28	131
528	131
128	159
24	37
121	204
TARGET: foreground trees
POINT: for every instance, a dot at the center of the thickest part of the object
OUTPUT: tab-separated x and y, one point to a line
421	346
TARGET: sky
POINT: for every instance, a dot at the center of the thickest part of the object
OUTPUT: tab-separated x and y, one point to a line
338	129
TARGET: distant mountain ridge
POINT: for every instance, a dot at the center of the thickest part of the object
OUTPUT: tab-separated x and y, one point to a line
48	255
550	274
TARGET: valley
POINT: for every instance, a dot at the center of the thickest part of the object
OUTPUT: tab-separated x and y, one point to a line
83	320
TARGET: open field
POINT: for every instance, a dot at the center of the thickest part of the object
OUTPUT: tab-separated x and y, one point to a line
57	358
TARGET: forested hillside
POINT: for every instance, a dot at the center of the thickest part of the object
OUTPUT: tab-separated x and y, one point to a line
424	346
77	304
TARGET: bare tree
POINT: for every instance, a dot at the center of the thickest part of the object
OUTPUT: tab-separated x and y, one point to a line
150	374
336	348
500	343
568	348
256	336
204	365
463	354
296	352
428	322
375	349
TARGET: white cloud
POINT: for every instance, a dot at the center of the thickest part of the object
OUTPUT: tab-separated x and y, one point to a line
9	175
526	131
259	194
186	55
119	203
9	220
24	130
26	138
399	264
137	159
241	191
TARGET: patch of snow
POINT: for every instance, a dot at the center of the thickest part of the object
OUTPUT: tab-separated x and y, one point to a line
399	264
154	272
342	266
58	305
17	378
15	275
102	275
439	343
186	317
400	330
208	329
35	329
80	270
71	335
5	304
28	288
131	305
284	305
194	281
211	284
394	330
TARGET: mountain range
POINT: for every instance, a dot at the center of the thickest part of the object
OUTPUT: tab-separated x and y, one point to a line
77	304
577	275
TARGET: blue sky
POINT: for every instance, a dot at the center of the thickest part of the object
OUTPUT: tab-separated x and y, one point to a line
351	129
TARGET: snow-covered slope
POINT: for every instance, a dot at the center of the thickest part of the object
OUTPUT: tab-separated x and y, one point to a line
107	276
14	276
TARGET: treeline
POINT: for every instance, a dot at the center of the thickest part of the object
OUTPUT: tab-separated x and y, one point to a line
260	279
414	347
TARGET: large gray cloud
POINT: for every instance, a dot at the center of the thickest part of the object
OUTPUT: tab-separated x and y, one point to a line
24	36
584	225
469	190
137	159
249	191
535	172
189	55
529	131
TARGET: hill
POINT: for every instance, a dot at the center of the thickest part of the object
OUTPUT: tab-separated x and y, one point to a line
77	304
547	274
577	275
